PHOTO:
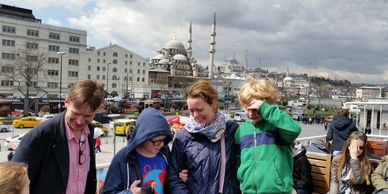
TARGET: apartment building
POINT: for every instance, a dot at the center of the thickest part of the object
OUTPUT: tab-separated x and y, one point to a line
119	70
46	51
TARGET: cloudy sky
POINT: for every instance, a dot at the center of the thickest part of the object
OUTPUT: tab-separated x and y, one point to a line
338	39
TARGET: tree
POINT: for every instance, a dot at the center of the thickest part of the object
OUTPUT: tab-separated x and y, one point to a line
24	69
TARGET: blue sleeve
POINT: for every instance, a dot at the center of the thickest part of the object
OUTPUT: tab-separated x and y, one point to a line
116	173
176	185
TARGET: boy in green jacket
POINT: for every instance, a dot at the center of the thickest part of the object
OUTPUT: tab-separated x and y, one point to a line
265	160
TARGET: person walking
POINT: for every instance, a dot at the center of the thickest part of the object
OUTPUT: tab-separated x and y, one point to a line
98	145
60	152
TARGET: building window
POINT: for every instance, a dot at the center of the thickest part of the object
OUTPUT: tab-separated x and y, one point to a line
9	56
52	72
54	48
74	39
103	60
103	68
115	54
53	60
9	29
144	64
31	58
73	50
130	63
7	69
138	63
89	67
125	70
32	45
138	71
89	76
98	77
130	70
114	77
130	56
6	83
89	60
31	32
104	54
98	60
126	62
114	85
53	35
73	74
73	62
143	71
8	42
103	77
114	69
138	79
142	79
98	53
98	68
114	61
126	55
52	85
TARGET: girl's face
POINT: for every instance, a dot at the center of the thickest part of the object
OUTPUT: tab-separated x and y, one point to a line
357	145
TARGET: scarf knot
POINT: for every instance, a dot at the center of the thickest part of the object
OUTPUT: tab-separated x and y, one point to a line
214	130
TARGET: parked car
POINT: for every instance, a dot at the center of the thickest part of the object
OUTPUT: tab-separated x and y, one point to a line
26	122
4	128
102	127
102	117
12	142
46	117
240	116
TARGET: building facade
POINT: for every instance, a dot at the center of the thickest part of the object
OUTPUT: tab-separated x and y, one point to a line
37	59
119	70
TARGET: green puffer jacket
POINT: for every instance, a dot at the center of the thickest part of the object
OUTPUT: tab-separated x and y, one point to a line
265	161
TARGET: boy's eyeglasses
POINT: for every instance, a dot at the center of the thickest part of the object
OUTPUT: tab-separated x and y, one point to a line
158	142
81	155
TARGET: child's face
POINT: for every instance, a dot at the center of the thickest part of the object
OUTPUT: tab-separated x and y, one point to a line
356	146
251	112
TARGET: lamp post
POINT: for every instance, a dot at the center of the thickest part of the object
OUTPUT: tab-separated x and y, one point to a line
107	86
60	82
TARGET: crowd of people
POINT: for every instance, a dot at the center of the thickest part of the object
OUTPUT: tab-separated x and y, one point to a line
209	155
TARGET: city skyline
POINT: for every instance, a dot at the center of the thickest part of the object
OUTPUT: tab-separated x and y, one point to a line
334	39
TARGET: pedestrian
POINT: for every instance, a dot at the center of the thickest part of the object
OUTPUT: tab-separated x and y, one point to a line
98	144
60	152
14	178
265	140
339	130
204	149
141	166
351	169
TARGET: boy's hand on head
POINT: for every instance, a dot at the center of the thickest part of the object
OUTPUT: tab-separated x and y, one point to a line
255	104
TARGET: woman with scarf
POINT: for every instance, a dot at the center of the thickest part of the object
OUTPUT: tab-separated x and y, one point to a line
205	147
351	170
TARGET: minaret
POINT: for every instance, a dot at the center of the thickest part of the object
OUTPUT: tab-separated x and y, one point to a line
189	47
212	50
246	63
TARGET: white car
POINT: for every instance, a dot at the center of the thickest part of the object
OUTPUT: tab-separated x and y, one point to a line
4	128
46	117
12	142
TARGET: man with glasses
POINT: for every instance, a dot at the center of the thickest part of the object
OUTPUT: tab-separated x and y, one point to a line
141	166
60	151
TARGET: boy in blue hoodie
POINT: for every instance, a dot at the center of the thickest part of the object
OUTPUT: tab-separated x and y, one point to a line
142	164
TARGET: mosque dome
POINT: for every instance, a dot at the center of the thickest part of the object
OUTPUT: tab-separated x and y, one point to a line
174	44
159	56
231	60
163	62
180	57
288	79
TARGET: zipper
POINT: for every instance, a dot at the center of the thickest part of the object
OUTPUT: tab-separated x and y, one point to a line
254	159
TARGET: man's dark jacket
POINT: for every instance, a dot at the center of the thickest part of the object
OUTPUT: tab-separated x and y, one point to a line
45	150
339	130
301	173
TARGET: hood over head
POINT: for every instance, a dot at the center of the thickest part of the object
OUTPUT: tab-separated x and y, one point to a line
341	122
149	124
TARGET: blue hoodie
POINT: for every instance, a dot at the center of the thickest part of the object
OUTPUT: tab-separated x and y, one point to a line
123	169
339	130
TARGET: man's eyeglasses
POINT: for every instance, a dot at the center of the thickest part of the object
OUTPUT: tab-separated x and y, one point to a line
158	142
81	155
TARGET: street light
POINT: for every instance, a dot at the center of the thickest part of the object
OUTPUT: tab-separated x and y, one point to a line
60	82
107	87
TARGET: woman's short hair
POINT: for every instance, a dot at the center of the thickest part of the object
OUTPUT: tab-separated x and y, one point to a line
260	89
12	177
87	92
202	89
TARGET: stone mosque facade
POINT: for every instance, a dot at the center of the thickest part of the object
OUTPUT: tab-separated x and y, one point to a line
174	66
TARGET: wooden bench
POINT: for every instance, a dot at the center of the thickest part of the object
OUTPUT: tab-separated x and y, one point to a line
320	171
377	147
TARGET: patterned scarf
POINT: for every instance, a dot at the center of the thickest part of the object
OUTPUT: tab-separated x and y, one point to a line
214	131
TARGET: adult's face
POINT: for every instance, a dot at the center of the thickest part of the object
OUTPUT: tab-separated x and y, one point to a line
78	117
202	112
